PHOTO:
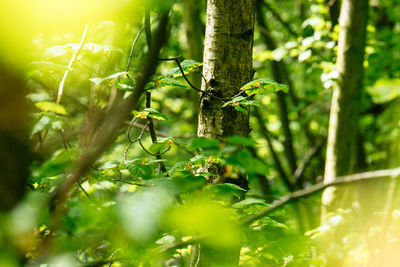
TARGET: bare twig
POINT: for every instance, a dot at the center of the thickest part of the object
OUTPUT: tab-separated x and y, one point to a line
133	48
71	62
265	133
129	137
298	174
176	59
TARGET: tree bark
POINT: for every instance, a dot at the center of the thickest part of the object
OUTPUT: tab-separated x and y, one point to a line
343	123
228	65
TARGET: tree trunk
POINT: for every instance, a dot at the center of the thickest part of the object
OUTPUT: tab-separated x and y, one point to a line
228	65
343	123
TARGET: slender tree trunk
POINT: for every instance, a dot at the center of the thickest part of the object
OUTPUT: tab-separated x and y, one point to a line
343	123
228	65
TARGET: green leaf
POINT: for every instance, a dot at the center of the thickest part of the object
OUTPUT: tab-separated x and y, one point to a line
37	97
384	90
187	65
241	109
151	110
98	81
226	190
189	183
152	113
204	143
263	85
141	170
109	165
240	140
235	100
159	81
247	163
159	116
140	114
51	107
126	84
158	147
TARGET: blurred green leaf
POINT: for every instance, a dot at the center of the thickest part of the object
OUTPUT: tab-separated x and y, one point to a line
51	107
263	85
98	81
384	90
204	143
240	140
187	65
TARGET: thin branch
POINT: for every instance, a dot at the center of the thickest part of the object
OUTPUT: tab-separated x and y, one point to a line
128	65
298	174
265	133
133	141
176	59
348	179
71	62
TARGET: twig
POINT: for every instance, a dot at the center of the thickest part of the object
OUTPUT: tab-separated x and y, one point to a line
265	133
71	62
176	59
129	137
298	174
128	65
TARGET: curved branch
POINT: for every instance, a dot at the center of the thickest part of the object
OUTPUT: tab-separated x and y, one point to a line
353	178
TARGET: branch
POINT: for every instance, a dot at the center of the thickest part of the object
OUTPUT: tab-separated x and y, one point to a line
71	62
265	133
176	59
341	180
133	48
298	174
